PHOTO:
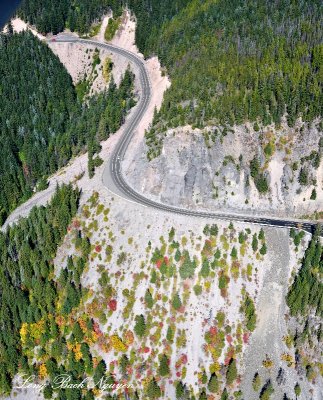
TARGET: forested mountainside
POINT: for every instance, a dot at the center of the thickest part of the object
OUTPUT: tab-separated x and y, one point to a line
305	300
306	292
229	63
240	61
55	16
151	15
27	289
37	99
42	123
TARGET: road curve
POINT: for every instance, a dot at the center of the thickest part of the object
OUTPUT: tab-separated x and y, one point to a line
113	178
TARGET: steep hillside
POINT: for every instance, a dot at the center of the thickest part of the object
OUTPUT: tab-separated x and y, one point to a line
245	78
241	61
240	127
37	100
44	119
127	301
170	308
272	170
55	16
26	291
305	300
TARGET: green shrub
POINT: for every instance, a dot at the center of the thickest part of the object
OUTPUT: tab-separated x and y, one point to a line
256	382
148	299
303	176
254	243
197	289
263	249
261	183
234	253
269	149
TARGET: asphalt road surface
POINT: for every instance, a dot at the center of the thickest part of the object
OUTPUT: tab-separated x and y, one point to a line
113	178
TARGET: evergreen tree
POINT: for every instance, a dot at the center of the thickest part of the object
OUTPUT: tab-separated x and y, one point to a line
140	326
254	243
263	249
163	366
205	270
203	395
256	382
266	391
48	392
313	194
25	296
177	255
187	269
297	390
153	278
232	372
234	252
124	362
99	372
170	334
148	299
180	390
77	332
213	385
225	395
153	390
176	302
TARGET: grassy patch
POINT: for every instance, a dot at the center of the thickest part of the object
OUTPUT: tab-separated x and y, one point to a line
107	68
82	88
95	29
96	59
111	28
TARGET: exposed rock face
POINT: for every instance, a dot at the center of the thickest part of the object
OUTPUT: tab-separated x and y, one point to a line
197	172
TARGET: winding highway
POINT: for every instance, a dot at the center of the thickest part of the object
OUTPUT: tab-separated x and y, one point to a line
113	178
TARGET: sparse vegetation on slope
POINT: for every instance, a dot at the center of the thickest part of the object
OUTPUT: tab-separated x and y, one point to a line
140	318
112	28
